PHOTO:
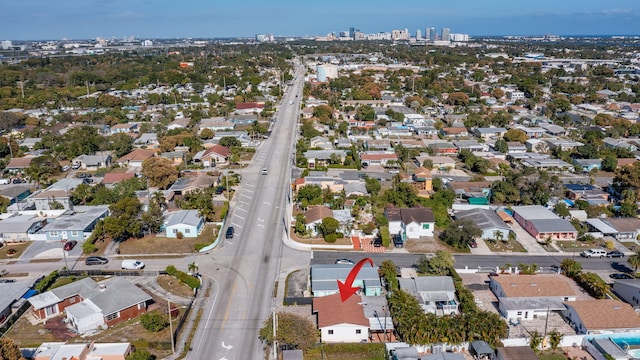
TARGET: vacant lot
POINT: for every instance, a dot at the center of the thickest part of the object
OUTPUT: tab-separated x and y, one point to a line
164	245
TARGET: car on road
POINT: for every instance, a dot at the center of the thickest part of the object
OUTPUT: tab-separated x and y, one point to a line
132	265
69	245
594	253
95	260
230	231
265	171
619	276
615	254
344	262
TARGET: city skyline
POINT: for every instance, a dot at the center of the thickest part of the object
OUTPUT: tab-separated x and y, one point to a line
86	19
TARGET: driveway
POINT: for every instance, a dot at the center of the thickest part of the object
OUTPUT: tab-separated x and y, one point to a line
49	250
528	241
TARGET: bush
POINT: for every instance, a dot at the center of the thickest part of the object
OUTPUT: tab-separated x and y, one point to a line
384	234
154	321
199	246
191	281
46	282
179	235
331	238
368	228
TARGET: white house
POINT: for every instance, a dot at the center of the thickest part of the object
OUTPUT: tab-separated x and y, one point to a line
341	322
603	316
410	223
187	222
435	294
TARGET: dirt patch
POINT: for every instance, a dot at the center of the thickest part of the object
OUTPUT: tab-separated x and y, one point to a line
297	283
424	245
13	250
173	285
26	334
318	241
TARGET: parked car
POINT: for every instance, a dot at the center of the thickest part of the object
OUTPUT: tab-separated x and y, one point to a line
19	181
66	168
615	254
220	190
75	166
95	260
473	244
82	175
618	276
594	253
344	262
69	245
230	231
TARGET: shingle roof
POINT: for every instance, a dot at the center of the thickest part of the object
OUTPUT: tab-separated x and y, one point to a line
534	285
605	314
332	311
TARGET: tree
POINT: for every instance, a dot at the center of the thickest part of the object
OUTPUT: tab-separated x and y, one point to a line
561	209
154	321
124	221
440	264
458	98
293	331
121	144
535	340
571	267
311	193
460	233
609	163
229	142
634	260
555	338
501	146
9	350
42	168
365	112
329	226
515	135
159	171
192	267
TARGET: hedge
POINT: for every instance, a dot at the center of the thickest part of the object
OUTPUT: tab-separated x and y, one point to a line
191	281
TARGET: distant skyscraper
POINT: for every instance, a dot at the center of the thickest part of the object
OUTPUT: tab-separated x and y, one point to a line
430	34
418	35
352	32
6	44
446	34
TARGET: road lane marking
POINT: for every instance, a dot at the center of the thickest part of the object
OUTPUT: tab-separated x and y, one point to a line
228	347
206	324
226	313
238	216
240	209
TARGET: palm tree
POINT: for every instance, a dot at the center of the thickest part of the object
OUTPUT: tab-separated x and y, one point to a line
498	235
554	340
535	340
634	260
192	267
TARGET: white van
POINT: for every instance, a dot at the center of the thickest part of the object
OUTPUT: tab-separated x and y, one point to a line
132	265
5	181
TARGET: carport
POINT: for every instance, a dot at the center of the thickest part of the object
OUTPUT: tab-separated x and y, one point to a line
481	350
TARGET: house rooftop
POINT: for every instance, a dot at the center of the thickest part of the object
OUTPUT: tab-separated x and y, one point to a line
539	285
605	314
332	310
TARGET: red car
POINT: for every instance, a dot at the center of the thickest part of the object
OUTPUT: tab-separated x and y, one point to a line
70	245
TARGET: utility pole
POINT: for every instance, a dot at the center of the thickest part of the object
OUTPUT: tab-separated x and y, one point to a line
275	327
173	345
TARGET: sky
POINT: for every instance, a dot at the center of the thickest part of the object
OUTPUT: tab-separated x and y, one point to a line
88	19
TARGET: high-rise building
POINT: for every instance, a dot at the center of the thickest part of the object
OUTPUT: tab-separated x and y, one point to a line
352	32
6	44
418	35
446	34
400	34
430	34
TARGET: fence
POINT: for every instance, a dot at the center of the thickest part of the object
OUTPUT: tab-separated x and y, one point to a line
298	300
111	273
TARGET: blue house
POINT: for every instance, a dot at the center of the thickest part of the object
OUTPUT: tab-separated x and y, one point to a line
76	224
187	222
587	165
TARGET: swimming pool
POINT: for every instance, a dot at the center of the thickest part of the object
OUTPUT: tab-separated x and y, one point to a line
634	353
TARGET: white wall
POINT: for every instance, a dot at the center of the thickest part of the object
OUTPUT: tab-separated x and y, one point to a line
344	333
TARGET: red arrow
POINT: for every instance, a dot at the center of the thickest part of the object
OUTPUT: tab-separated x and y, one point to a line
346	288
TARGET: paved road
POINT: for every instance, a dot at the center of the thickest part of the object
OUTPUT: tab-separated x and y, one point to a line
244	270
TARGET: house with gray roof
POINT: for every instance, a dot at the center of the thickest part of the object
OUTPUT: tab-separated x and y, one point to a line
488	133
324	276
30	143
436	294
543	224
355	188
149	140
10	294
91	306
76	224
488	221
94	162
19	228
189	223
321	158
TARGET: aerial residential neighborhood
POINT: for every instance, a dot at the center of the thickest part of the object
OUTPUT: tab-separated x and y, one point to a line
393	195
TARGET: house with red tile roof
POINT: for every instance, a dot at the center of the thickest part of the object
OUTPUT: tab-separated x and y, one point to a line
341	322
381	158
249	108
136	157
215	155
114	178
